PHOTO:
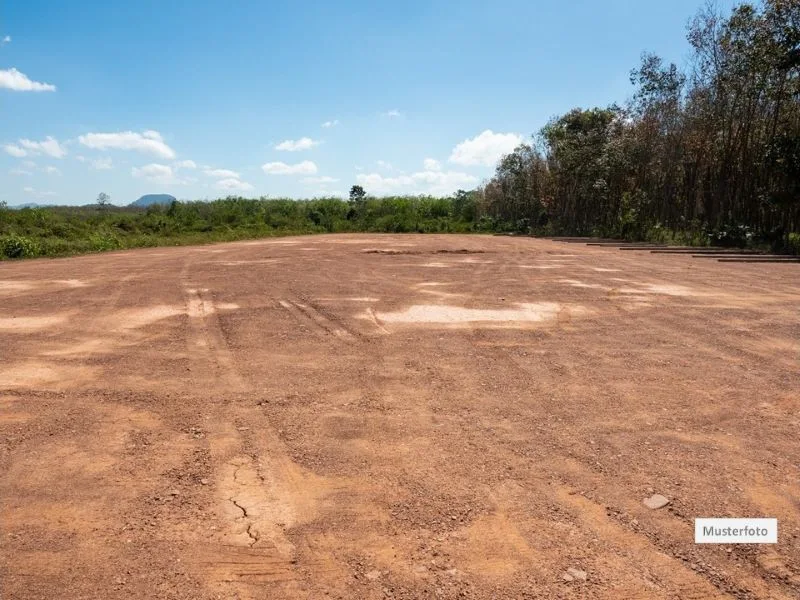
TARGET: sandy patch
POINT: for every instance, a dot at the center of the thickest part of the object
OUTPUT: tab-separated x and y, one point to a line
667	290
352	299
30	323
541	266
237	263
581	284
602	270
45	376
437	313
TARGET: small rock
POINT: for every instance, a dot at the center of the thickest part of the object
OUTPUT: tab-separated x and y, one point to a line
567	577
174	493
204	481
577	574
656	501
373	575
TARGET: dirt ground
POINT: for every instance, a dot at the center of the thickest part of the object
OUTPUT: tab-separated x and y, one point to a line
395	416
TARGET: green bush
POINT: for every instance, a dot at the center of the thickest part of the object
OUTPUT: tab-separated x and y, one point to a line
17	246
102	242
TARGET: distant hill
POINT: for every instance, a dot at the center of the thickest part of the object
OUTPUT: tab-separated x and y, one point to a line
150	199
28	205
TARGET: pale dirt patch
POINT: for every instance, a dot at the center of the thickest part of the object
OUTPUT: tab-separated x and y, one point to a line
581	284
667	290
602	270
24	324
541	266
475	261
45	376
437	313
436	265
350	299
16	286
134	318
10	287
238	263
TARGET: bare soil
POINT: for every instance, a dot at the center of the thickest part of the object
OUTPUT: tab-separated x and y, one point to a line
364	416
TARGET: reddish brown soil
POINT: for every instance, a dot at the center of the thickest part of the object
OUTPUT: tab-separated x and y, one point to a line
453	416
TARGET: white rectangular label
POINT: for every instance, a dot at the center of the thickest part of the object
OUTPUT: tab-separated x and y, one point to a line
736	531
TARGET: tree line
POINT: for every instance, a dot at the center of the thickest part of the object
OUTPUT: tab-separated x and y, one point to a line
708	151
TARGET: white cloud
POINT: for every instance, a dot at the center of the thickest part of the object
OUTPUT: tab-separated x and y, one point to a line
233	185
102	164
384	165
14	150
186	164
7	39
17	171
329	124
485	149
149	142
80	158
320	180
280	168
431	164
35	192
221	173
303	143
423	182
392	114
157	173
52	170
14	80
325	193
49	146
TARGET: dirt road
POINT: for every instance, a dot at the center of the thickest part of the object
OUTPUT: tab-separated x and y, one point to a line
395	417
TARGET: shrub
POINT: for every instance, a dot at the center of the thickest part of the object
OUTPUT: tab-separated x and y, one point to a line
17	246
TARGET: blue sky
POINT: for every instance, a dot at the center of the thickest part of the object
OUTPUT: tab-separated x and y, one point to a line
202	99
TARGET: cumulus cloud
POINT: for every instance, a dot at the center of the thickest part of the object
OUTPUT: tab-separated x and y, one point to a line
52	170
17	171
485	149
48	146
385	165
186	164
233	185
6	40
393	114
320	180
38	193
158	173
303	143
431	164
14	80
102	164
329	124
148	142
423	182
221	173
14	150
280	168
